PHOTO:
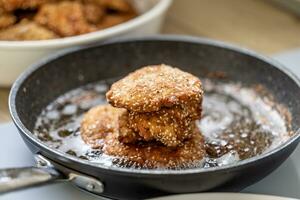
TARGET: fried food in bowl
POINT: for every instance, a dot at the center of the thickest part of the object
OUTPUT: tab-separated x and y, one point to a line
110	18
65	18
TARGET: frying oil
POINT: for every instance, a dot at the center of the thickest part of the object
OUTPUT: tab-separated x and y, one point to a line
237	123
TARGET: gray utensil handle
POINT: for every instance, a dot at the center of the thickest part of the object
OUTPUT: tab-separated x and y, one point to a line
19	178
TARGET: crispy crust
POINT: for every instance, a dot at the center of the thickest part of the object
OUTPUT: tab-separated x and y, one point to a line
26	31
169	125
6	20
93	13
169	132
98	122
154	87
126	134
104	119
100	129
66	18
155	155
114	19
116	5
11	5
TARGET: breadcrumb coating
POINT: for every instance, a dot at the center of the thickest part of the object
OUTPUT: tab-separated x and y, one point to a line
114	19
116	5
66	18
154	87
155	155
98	122
6	20
26	31
100	129
169	126
11	5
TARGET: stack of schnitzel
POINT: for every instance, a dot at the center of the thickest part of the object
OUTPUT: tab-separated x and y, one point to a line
151	120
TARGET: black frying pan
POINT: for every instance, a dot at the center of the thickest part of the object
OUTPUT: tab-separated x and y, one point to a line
45	81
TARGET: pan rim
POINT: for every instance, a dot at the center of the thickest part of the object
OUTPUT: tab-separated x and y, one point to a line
170	38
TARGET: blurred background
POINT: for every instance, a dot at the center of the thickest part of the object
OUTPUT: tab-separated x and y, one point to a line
267	26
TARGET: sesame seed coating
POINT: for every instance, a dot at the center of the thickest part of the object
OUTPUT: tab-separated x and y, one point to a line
155	155
153	124
98	122
100	129
154	87
168	125
126	134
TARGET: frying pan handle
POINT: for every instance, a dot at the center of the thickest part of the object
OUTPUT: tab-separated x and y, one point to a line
18	178
45	173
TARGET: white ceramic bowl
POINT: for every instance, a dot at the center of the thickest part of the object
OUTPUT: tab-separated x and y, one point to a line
15	56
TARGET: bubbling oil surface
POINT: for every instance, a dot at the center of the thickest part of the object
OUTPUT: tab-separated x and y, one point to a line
237	123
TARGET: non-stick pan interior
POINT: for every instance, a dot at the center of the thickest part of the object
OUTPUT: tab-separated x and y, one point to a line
200	57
